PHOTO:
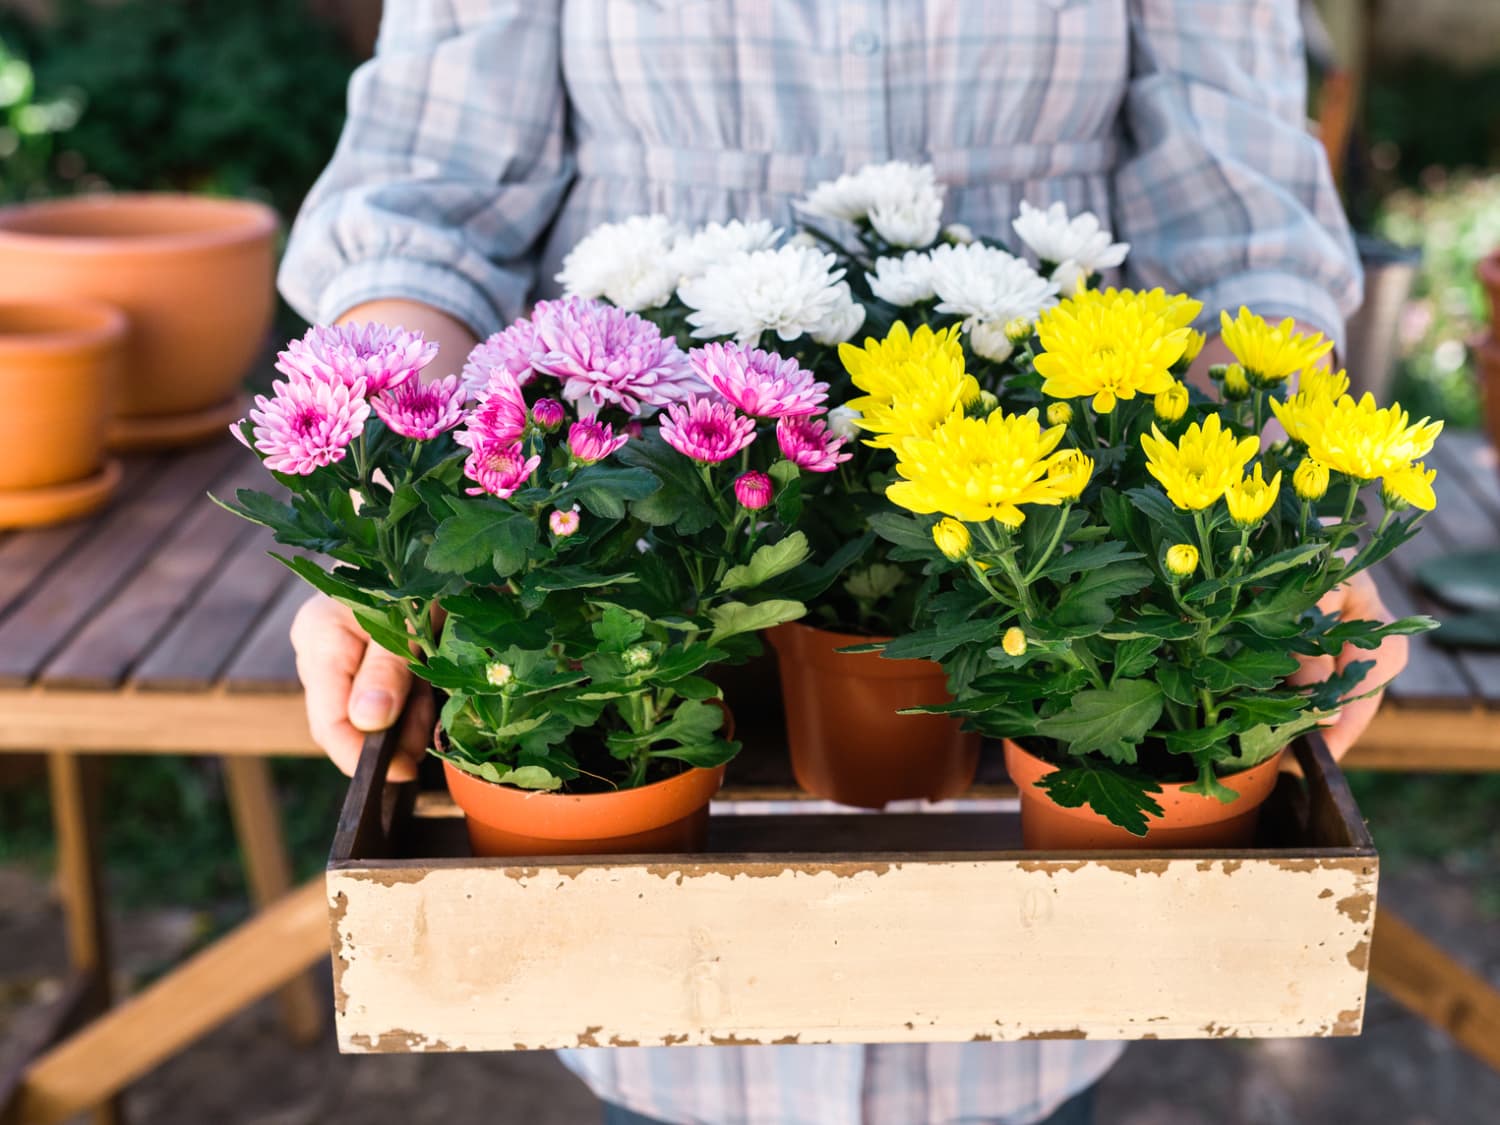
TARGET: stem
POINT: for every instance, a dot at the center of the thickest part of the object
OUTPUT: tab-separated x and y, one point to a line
1051	546
1205	541
1023	591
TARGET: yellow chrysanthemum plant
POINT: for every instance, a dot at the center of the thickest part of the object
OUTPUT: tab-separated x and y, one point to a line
1123	568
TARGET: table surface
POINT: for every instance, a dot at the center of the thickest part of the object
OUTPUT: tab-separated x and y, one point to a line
160	623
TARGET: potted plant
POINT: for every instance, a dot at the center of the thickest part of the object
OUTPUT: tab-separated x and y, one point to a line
564	540
1127	570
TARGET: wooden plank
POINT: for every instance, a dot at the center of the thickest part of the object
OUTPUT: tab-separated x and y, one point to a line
101	653
32	1032
68	596
205	639
1413	739
1473	458
265	662
252	961
1424	979
128	721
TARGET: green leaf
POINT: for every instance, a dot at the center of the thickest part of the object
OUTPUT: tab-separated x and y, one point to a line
1209	785
603	490
903	531
526	777
462	542
618	629
1110	720
1176	683
1123	798
1260	671
326	582
1088	600
1260	742
1135	656
769	561
705	755
733	618
935	644
1091	556
511	541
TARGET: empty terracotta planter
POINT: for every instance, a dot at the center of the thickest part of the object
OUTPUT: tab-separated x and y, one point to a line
194	276
59	361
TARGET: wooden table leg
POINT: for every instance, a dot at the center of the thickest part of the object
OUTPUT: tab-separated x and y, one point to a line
257	823
1425	980
75	801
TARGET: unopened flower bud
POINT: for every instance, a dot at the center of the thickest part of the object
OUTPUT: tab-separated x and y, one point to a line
989	341
1241	556
1014	641
754	491
1310	481
1195	343
1236	383
951	537
1182	559
959	234
841	421
1018	329
989	402
547	414
499	675
1059	414
1172	403
637	657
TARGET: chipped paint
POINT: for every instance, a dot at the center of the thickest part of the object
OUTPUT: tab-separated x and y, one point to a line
589	1037
673	1040
1070	1033
1357	907
1359	957
399	1040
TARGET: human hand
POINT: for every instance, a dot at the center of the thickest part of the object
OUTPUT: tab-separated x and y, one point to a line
353	687
1355	600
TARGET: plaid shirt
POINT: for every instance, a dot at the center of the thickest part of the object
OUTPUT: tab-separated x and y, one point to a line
487	136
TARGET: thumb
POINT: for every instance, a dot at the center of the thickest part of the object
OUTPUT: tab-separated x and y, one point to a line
379	691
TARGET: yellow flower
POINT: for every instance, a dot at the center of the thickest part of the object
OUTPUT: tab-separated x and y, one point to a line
912	382
951	537
1236	383
1179	310
1252	498
1182	559
1172	403
1111	346
1270	354
1014	641
1365	441
978	469
876	366
1070	472
1317	391
1310	481
1204	462
1409	485
1059	414
1196	340
1018	329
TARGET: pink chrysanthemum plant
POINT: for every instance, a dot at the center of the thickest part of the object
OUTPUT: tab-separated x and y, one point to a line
603	517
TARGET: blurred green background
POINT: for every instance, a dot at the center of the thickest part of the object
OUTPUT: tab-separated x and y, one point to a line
248	98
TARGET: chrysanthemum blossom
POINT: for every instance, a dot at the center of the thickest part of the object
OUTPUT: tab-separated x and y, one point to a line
1269	354
707	430
753	490
1200	466
696	251
1409	486
421	411
1109	351
761	383
903	281
809	444
375	356
983	284
513	350
607	356
628	263
1079	242
902	202
548	414
591	440
563	521
500	414
792	291
1365	441
499	468
1318	388
307	424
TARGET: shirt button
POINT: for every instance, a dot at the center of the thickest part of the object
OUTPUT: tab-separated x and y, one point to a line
864	43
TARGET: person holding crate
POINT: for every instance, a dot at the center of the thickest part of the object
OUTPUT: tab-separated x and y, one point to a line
487	136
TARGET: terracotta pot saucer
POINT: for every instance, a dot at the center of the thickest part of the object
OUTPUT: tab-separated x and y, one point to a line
36	507
163	431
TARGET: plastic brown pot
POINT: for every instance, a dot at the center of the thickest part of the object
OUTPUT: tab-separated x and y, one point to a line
1189	820
59	361
666	816
192	274
848	744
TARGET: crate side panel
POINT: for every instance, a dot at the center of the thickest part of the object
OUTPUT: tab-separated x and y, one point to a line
471	958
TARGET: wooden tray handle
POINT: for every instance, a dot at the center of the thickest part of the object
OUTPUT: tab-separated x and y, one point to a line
371	807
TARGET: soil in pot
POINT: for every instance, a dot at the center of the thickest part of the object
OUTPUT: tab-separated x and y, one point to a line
847	741
1189	820
59	362
193	276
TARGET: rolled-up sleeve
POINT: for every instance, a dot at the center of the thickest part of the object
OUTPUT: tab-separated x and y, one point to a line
1222	192
450	168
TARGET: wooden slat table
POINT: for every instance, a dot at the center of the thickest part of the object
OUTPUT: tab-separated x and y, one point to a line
159	626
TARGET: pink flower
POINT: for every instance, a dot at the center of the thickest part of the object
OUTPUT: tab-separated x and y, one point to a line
563	523
421	411
706	430
606	356
590	441
809	444
548	414
305	425
500	415
499	468
760	383
346	353
754	491
513	350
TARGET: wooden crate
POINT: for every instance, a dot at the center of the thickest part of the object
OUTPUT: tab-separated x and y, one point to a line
846	928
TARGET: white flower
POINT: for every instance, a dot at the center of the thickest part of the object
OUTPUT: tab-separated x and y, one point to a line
1070	278
843	421
842	322
989	339
792	291
695	251
903	281
960	234
627	263
902	202
1055	239
981	283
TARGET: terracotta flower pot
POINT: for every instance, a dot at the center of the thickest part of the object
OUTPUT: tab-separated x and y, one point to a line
848	743
666	816
1487	357
1189	820
1489	276
193	275
59	361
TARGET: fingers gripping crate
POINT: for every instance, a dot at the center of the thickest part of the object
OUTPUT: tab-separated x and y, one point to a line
846	929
